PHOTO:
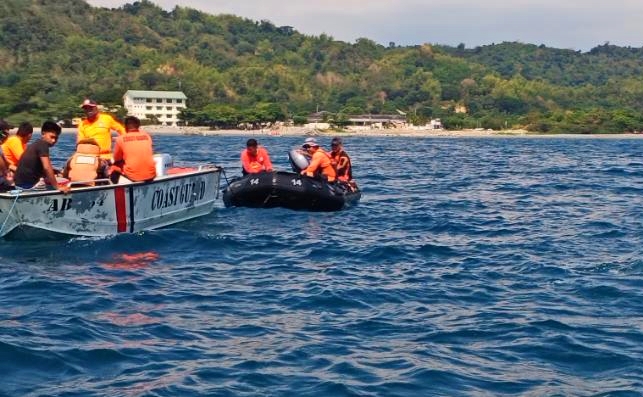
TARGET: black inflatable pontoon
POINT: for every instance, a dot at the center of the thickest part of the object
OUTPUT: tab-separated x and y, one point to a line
288	190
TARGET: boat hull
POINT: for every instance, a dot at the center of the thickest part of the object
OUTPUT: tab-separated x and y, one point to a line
287	190
110	209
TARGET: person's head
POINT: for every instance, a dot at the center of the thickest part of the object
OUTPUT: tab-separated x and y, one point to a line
311	145
4	130
50	132
252	145
132	123
336	144
25	131
90	107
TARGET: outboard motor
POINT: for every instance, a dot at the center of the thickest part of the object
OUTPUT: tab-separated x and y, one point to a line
298	161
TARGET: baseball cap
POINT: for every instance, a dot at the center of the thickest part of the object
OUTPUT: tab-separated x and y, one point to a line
310	142
88	103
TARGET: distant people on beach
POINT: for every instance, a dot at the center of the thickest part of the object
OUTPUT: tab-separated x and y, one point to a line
133	154
255	158
15	145
35	162
98	126
321	165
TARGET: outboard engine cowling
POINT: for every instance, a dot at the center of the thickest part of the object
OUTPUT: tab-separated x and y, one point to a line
298	161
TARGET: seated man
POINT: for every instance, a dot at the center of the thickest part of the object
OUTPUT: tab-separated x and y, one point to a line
133	154
320	163
6	176
341	160
85	165
15	145
35	163
255	158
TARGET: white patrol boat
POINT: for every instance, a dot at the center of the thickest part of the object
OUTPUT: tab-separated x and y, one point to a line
175	195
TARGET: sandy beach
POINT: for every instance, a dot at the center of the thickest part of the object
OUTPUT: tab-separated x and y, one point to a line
397	132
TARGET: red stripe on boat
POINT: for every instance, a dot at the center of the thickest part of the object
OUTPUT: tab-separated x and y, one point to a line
121	212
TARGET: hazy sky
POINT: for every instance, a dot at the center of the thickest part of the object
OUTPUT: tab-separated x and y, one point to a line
574	24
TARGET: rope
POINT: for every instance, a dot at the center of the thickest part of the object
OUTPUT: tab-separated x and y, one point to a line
10	210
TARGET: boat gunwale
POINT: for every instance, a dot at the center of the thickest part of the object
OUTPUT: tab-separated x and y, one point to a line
41	193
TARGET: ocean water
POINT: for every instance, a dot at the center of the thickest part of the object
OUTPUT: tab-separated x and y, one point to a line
471	267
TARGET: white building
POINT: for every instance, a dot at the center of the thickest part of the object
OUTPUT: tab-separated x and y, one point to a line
165	106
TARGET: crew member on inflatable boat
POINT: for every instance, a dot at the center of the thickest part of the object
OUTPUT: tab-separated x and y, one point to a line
320	162
98	126
85	165
255	158
341	160
133	154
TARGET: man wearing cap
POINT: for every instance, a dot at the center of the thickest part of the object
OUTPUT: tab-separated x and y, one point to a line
98	126
320	163
341	160
255	158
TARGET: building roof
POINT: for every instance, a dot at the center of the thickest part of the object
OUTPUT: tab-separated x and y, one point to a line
156	94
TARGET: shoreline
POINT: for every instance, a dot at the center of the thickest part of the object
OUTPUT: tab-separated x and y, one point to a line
403	133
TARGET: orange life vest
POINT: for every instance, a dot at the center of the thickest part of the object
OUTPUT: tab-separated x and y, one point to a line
321	164
85	163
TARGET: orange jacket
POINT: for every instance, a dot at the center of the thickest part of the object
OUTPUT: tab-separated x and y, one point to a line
13	148
342	164
253	164
84	165
134	151
321	162
100	130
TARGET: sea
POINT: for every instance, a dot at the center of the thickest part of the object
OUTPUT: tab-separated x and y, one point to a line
499	266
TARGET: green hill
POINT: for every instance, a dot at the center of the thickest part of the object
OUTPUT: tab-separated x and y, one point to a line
53	53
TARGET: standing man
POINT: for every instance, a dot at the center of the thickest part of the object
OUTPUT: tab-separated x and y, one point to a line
255	158
341	160
98	126
133	154
35	162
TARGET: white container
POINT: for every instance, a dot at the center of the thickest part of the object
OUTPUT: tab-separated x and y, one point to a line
163	163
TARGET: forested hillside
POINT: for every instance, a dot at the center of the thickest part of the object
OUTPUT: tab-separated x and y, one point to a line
53	53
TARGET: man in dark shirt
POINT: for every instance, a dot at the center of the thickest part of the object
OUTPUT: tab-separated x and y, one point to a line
35	162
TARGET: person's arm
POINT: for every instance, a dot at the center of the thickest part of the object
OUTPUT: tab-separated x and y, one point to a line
14	146
245	161
118	151
312	167
51	176
81	133
67	169
267	164
118	127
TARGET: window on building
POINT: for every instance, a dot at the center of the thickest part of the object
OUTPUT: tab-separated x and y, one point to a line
148	100
168	107
148	107
159	101
159	108
169	116
179	101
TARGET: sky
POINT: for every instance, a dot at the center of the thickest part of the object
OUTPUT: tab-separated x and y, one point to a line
569	24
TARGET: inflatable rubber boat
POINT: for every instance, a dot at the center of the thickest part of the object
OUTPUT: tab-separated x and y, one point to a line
289	190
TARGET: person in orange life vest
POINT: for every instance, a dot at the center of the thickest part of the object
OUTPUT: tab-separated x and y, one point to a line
255	158
98	126
86	165
35	162
133	154
6	176
320	163
15	145
341	160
